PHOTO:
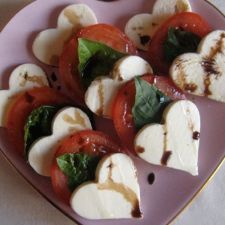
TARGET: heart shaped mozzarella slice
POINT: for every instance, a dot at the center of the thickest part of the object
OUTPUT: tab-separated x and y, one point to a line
141	27
203	73
99	95
163	9
23	77
101	92
175	142
128	67
115	194
66	122
48	44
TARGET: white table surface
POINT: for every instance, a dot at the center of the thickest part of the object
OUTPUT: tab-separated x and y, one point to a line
21	205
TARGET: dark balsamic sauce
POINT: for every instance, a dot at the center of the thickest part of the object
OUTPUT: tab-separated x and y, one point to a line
136	212
100	111
190	87
53	77
139	149
218	47
196	135
207	83
145	39
165	157
151	178
209	64
209	67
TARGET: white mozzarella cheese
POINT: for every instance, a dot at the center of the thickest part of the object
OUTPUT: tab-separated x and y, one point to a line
23	77
174	143
76	16
67	121
203	73
114	195
100	94
48	44
163	9
130	66
141	27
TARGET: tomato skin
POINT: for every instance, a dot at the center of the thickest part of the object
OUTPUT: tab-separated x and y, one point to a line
109	35
124	101
90	142
21	107
187	21
68	62
68	72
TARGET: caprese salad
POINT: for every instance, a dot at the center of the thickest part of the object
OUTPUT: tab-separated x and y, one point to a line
102	73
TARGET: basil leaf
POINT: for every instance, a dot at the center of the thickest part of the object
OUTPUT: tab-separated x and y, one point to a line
178	42
78	167
95	59
149	103
38	125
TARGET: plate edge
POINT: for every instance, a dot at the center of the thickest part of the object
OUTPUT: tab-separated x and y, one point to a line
189	202
192	199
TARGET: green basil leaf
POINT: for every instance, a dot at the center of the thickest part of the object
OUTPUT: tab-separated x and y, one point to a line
78	167
149	103
95	59
38	125
178	42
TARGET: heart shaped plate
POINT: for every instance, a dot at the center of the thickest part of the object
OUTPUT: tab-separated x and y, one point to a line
172	189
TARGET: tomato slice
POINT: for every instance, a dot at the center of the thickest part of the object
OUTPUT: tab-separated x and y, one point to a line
68	72
21	107
109	35
68	62
90	142
187	21
124	101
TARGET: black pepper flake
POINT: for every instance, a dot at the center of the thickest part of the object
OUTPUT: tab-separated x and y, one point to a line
58	88
151	178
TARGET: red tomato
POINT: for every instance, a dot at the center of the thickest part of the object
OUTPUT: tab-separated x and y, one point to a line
109	35
124	101
90	142
68	72
21	107
68	62
187	21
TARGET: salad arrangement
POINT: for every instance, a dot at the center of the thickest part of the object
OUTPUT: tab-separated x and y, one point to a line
101	69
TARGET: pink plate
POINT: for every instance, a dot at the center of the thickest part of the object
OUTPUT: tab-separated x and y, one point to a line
172	189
